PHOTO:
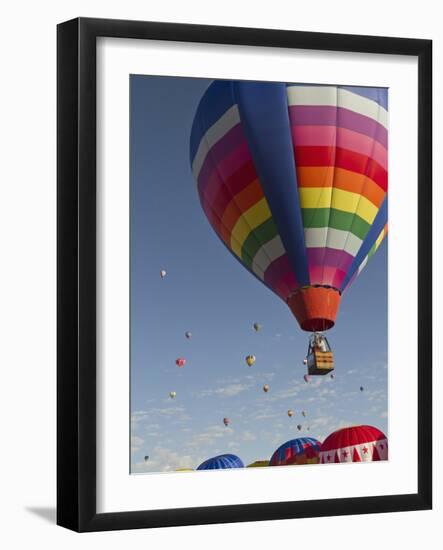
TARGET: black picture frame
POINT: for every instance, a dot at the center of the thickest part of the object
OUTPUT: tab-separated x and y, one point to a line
76	279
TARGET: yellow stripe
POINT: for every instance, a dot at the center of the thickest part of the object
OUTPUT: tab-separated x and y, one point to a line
379	239
320	197
252	218
315	197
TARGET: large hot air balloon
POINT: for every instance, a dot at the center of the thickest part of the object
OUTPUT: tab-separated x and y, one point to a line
303	450
180	362
221	462
293	179
354	444
250	360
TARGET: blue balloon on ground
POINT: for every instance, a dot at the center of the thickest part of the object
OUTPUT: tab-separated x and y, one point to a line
221	462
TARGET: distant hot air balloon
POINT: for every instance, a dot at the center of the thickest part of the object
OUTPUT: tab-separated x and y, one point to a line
290	413
258	464
306	378
172	394
293	178
221	462
354	444
146	458
188	335
305	361
303	414
331	376
162	273
180	362
361	388
257	327
303	450
250	360
226	421
299	427
266	388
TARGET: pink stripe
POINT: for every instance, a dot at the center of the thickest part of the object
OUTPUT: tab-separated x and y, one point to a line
340	137
284	284
329	257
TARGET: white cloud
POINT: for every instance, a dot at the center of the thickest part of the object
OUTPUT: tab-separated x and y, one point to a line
162	459
209	435
248	436
227	391
136	443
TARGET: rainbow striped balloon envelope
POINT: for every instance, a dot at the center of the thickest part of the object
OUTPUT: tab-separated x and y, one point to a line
221	462
303	450
293	179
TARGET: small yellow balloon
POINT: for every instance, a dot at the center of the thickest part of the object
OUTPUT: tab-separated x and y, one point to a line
250	360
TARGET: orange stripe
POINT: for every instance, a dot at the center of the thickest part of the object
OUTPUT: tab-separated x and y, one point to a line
323	176
241	202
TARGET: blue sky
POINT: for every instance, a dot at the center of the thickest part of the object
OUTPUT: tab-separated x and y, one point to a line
206	291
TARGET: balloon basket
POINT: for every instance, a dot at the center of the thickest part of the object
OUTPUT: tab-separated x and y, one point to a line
320	362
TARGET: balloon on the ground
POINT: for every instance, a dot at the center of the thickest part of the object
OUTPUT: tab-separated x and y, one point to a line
180	362
303	450
293	179
258	464
221	462
250	360
355	444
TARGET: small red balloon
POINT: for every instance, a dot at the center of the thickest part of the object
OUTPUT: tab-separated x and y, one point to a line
180	362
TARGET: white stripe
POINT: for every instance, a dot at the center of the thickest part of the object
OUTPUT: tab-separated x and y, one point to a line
319	237
330	96
225	123
269	252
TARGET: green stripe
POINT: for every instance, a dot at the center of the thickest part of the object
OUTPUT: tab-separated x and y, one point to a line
336	219
256	239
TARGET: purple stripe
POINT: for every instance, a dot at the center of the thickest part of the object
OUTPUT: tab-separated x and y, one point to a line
225	144
323	115
329	257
